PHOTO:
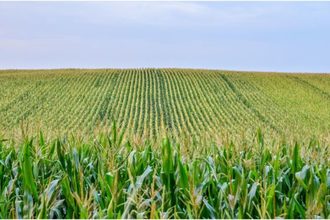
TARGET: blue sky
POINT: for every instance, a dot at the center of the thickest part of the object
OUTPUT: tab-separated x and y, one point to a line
261	36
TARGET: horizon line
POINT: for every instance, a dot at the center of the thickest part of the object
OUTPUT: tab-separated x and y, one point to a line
187	68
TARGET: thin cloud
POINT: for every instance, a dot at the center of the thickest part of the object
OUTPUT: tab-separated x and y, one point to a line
235	35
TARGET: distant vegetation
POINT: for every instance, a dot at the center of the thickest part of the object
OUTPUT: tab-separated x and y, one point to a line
152	102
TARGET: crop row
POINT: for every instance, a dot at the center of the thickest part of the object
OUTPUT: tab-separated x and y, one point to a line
147	102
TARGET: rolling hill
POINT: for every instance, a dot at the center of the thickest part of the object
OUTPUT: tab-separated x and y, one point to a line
150	102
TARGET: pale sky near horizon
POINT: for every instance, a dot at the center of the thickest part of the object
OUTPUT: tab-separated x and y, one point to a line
261	36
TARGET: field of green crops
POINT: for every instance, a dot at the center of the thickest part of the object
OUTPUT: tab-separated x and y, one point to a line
164	143
110	178
150	102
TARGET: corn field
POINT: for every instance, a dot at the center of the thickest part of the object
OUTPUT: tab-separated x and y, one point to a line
163	143
150	102
111	178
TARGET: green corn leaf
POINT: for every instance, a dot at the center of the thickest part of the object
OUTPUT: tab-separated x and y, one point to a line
28	178
252	192
67	193
295	158
141	178
60	153
301	176
183	176
43	209
109	178
49	192
41	139
211	210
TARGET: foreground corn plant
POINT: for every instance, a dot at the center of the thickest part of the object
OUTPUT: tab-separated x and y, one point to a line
107	178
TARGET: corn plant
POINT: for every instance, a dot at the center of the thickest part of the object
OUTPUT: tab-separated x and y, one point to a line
109	177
